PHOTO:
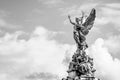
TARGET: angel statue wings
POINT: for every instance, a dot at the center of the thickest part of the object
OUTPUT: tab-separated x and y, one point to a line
81	29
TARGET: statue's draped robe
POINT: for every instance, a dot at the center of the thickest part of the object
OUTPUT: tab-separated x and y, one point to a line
81	30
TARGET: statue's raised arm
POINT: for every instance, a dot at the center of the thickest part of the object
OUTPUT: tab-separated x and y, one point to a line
70	20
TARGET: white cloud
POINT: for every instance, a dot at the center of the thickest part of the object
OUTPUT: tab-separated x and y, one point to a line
75	10
109	13
52	3
6	25
40	53
113	44
101	21
113	5
107	67
4	13
19	58
2	23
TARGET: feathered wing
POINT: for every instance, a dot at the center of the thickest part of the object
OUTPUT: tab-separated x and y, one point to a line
90	19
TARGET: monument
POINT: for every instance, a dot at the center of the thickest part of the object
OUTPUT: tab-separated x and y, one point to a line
81	65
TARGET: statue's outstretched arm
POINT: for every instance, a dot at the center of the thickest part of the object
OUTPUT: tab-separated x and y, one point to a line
70	20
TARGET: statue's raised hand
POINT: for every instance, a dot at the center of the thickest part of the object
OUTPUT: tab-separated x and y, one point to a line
69	16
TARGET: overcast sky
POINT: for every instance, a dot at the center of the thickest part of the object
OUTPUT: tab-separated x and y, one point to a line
36	39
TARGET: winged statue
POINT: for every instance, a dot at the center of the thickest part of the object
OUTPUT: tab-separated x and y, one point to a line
81	29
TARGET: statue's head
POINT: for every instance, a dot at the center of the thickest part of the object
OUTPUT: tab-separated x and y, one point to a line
77	20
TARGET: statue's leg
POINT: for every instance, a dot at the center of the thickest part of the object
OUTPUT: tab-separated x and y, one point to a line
76	38
81	37
85	45
71	66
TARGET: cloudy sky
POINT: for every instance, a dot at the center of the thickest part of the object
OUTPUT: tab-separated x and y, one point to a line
36	41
